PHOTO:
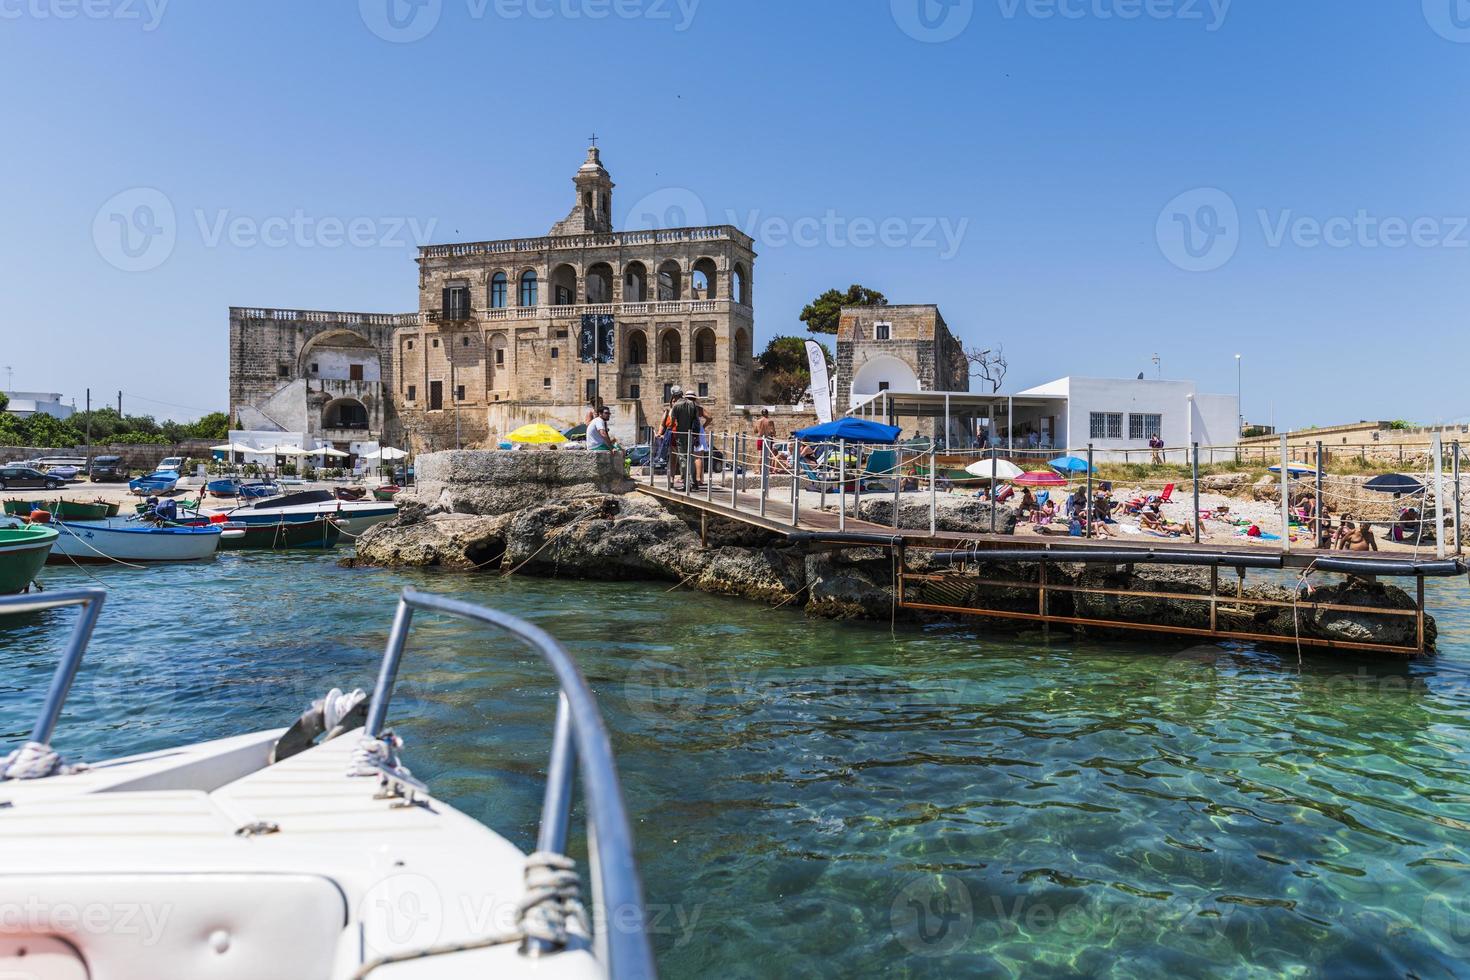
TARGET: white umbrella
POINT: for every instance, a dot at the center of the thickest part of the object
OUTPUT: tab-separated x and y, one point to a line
329	451
1004	469
232	447
387	452
284	451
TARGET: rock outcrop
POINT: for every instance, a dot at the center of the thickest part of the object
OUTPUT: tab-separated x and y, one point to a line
573	515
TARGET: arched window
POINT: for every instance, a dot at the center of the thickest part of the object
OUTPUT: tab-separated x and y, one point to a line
704	280
637	347
528	288
743	349
497	291
739	286
670	282
600	283
704	346
563	285
670	348
635	283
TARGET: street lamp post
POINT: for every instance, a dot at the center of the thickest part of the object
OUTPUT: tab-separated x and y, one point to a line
1239	408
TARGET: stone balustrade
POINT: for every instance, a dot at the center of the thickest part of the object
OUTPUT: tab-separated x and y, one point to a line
618	239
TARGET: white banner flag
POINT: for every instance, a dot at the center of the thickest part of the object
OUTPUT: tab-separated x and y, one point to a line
821	389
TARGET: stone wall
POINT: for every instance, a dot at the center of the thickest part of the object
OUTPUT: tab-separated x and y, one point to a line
136	456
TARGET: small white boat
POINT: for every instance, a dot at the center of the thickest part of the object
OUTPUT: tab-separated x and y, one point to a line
308	852
355	516
131	540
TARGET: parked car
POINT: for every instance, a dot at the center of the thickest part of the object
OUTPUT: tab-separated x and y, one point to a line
27	478
108	469
173	463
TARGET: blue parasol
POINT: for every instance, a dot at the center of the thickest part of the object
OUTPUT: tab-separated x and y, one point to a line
1069	464
1295	469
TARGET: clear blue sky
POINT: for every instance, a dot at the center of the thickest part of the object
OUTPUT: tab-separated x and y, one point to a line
1056	144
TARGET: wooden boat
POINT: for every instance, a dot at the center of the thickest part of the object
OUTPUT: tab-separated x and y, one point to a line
131	541
23	550
21	508
312	850
386	493
225	489
321	532
163	481
76	510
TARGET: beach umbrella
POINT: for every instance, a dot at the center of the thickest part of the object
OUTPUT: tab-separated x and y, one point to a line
1394	483
1295	469
1039	479
389	452
851	429
284	451
576	432
1004	469
1069	464
332	451
537	435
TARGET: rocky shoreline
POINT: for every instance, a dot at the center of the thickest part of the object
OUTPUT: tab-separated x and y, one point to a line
575	515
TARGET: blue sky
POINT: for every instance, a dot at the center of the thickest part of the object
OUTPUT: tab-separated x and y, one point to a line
1088	182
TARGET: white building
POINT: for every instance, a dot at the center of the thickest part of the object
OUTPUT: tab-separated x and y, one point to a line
1113	414
28	403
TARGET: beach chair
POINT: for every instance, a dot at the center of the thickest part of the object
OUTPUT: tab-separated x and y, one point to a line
1167	494
881	470
819	482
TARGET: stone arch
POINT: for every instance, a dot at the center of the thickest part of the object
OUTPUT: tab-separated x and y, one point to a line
705	346
740	284
564	285
635	283
600	283
637	347
345	413
883	373
528	293
744	351
340	337
497	361
670	281
704	280
498	297
670	347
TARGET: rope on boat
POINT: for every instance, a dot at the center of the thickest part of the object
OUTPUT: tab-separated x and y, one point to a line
553	899
35	760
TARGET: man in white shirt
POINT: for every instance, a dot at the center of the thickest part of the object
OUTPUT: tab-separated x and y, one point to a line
598	436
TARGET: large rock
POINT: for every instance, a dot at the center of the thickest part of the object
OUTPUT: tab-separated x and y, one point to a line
490	482
964	514
465	542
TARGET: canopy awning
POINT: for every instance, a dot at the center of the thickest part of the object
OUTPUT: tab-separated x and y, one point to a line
852	430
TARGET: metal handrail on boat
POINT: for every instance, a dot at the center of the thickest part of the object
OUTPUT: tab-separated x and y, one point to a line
71	658
579	735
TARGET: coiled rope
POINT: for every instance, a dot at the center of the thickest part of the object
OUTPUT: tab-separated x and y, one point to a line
34	760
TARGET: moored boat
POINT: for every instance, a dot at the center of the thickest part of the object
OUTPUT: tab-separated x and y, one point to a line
224	489
23	550
312	851
121	540
162	481
21	508
355	516
318	532
78	510
386	493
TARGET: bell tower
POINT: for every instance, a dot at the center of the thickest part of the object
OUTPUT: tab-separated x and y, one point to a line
592	212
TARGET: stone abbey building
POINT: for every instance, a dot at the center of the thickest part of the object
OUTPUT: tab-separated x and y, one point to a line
498	339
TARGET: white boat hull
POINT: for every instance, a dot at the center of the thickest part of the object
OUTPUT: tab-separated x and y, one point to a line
355	516
131	541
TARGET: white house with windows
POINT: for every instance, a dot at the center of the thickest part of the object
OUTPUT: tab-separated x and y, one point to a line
1115	414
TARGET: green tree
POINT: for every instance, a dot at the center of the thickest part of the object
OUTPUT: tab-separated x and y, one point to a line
823	314
214	426
4	401
785	373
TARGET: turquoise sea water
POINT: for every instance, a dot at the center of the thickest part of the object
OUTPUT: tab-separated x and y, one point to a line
823	799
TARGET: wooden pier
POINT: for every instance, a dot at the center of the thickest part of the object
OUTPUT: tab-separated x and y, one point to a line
952	587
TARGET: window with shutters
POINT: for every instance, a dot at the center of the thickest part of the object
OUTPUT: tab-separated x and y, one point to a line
354	372
882	331
457	302
436	395
459	393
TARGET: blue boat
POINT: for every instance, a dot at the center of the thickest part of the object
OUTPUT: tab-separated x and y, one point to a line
162	481
258	491
223	488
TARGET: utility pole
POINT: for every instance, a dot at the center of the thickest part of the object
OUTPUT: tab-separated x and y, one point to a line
88	437
1239	401
119	404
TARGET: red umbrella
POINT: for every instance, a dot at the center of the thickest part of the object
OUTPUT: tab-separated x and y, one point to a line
1037	478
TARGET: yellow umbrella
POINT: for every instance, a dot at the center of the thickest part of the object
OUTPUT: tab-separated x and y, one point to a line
537	435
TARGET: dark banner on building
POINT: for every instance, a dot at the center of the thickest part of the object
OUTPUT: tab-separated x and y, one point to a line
595	344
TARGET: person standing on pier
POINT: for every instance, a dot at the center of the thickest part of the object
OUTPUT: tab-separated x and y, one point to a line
765	428
685	415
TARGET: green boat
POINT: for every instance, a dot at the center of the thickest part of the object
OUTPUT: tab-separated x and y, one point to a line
321	533
19	508
76	510
23	550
